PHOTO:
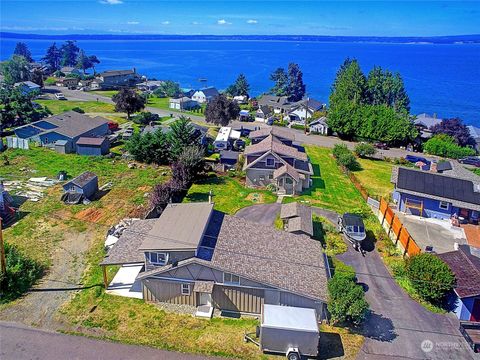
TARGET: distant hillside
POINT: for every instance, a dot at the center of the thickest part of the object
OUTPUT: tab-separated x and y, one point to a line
408	39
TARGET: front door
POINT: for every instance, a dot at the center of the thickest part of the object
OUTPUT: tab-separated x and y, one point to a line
204	299
475	316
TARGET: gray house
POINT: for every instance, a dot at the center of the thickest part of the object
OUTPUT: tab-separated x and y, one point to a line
205	95
297	218
220	261
115	79
183	103
85	184
319	126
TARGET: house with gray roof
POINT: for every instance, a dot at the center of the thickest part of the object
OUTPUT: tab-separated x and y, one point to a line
297	218
26	87
264	114
475	134
115	79
278	104
319	126
205	95
215	260
303	111
437	194
424	123
272	161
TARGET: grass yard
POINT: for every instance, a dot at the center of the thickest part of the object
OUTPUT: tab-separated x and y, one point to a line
60	106
375	177
339	343
229	195
163	103
108	93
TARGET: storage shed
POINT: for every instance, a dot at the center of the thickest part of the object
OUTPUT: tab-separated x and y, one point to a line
93	146
63	146
85	184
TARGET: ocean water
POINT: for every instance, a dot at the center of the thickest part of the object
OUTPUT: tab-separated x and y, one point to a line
440	79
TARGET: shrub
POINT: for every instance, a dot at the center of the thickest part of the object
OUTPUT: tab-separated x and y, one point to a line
364	150
145	118
78	110
50	81
430	277
445	146
345	157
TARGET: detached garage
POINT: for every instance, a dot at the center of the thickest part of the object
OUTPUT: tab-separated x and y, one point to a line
93	146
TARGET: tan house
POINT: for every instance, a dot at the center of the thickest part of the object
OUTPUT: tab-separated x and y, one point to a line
215	260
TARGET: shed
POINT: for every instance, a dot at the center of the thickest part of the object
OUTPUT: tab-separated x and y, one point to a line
228	158
63	146
85	184
93	146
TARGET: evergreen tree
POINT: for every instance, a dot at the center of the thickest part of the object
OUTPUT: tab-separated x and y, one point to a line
220	111
15	70
53	57
385	88
296	87
182	134
37	77
83	62
21	49
280	77
93	60
241	86
69	53
128	101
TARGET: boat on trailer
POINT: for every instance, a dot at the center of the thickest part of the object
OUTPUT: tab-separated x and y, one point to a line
352	226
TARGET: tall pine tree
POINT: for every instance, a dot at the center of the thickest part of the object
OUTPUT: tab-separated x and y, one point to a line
280	77
53	57
21	49
296	87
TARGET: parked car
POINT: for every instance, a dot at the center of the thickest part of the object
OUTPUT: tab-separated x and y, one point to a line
60	96
470	160
381	146
112	126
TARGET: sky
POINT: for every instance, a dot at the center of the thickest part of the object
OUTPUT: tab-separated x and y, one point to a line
240	17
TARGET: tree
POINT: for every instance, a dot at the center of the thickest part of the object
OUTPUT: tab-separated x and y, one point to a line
385	88
364	150
93	61
53	57
221	110
150	148
181	135
345	157
15	70
37	77
145	118
168	88
430	276
69	53
445	146
296	87
21	49
83	61
456	129
190	163
240	87
161	194
280	77
128	101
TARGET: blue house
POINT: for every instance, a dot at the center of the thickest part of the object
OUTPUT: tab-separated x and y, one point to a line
437	195
69	126
465	264
26	87
85	184
93	146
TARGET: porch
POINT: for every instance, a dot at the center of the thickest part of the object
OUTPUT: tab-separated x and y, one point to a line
125	282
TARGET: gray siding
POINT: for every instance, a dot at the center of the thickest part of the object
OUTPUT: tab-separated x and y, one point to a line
155	290
253	177
238	299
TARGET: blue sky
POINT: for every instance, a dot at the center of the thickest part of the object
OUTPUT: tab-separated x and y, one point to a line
368	18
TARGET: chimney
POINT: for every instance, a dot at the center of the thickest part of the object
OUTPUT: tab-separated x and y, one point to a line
433	167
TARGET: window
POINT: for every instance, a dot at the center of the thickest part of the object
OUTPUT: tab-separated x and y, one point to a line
231	279
270	176
270	162
185	289
262	177
288	181
444	205
158	258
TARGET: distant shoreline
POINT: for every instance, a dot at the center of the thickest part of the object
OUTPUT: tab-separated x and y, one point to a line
413	40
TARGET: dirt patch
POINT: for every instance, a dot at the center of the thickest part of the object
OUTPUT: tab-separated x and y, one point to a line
255	197
90	215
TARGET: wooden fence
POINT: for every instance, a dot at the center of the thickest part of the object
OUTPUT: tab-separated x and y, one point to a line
395	229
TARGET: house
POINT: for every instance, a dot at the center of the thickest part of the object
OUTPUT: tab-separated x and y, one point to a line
93	146
7	211
149	85
304	110
115	79
228	159
244	115
264	114
69	126
183	103
85	185
297	218
284	135
240	99
226	135
475	134
271	161
26	87
319	126
68	70
279	104
434	194
424	123
465	264
205	95
68	82
215	260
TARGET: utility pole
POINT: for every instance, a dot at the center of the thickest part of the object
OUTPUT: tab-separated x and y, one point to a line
306	114
2	251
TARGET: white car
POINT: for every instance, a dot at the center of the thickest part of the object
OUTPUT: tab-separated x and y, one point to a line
60	96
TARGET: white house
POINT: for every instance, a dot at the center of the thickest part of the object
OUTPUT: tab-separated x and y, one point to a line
241	99
225	136
183	103
264	114
319	126
304	110
205	95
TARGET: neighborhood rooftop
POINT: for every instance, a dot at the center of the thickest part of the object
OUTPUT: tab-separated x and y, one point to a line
299	217
275	131
271	143
83	179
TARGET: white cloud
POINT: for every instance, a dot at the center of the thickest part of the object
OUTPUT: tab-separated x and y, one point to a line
111	2
252	21
195	23
223	22
133	22
166	22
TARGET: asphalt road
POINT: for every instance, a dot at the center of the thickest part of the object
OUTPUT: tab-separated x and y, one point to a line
399	327
18	342
264	214
300	136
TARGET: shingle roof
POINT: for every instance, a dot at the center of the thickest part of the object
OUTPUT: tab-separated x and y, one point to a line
286	169
275	131
299	217
322	120
91	141
466	268
210	92
83	179
116	72
270	143
427	120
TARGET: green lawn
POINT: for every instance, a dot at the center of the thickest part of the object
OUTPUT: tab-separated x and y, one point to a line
108	93
60	106
375	177
163	103
229	195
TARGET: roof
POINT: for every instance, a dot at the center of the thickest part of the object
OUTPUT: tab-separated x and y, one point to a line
466	267
30	84
98	141
313	105
117	72
225	133
474	131
180	227
181	99
265	110
271	143
272	100
231	155
286	169
209	92
352	220
83	179
61	142
299	217
322	120
125	250
460	192
444	165
274	130
427	120
289	317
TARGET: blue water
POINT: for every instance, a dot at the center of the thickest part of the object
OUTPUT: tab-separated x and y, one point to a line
441	79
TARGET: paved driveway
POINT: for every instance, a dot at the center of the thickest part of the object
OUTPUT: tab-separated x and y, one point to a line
398	326
264	214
